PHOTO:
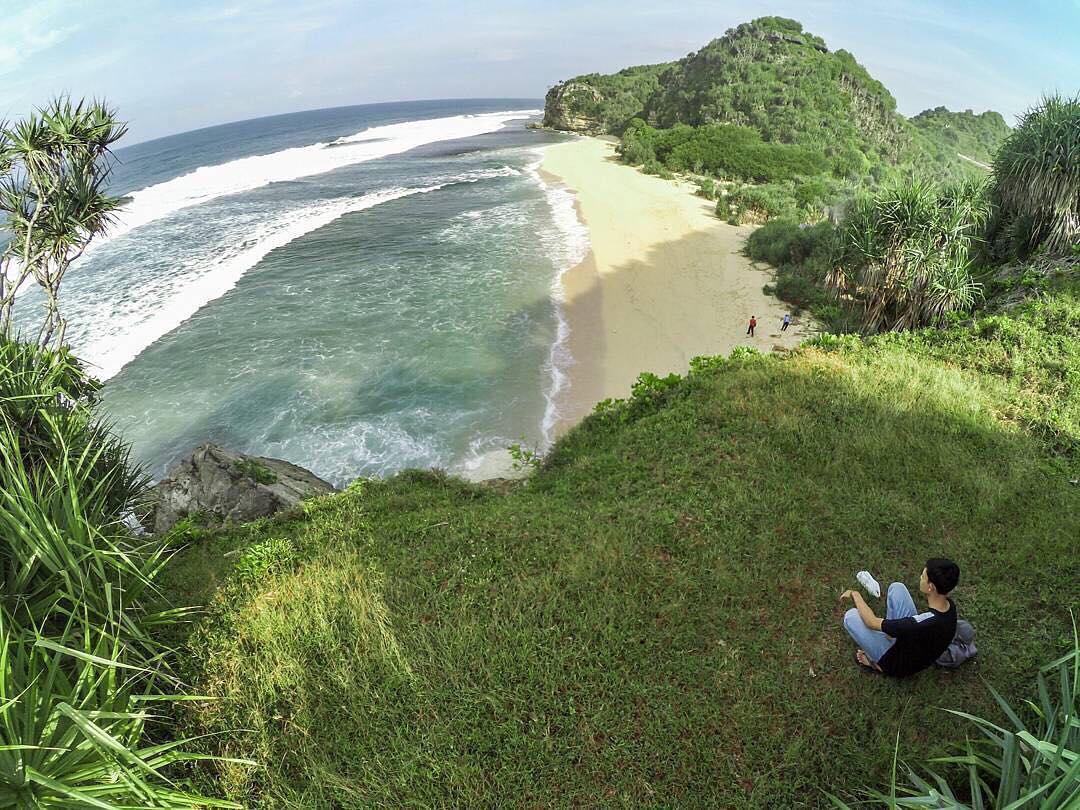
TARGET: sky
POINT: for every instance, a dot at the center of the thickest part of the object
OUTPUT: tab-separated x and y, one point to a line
175	65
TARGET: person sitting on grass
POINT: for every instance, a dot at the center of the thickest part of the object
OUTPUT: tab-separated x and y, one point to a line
906	641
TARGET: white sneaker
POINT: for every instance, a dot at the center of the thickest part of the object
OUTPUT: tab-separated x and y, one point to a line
869	583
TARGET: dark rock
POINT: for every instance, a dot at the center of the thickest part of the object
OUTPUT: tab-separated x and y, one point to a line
224	485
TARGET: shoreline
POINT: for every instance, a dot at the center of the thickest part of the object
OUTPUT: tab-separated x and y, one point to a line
664	280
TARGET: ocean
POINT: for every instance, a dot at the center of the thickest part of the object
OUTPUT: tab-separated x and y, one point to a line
357	290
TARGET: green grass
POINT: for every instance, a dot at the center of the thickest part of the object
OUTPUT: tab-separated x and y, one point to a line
652	619
255	471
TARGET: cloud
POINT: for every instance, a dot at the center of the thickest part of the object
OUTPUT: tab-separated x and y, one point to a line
212	15
30	31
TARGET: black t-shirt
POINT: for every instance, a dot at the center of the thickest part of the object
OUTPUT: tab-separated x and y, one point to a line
920	640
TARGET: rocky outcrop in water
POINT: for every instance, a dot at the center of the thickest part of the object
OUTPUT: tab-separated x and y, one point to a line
228	486
567	107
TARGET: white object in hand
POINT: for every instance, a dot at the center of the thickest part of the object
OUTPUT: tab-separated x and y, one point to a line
869	583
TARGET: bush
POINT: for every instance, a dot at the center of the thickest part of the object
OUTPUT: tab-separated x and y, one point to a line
910	256
708	189
79	667
722	150
784	243
1037	180
66	485
774	201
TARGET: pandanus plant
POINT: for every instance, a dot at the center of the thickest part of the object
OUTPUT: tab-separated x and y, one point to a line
73	719
910	254
81	664
54	170
1037	178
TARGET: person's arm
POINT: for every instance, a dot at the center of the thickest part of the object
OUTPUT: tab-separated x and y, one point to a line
865	613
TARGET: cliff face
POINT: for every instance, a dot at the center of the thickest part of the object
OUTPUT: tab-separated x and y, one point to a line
595	103
573	106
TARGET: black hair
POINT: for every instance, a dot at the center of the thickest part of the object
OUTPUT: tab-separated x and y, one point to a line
944	573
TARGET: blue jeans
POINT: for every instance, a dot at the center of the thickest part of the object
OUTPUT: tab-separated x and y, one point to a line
873	642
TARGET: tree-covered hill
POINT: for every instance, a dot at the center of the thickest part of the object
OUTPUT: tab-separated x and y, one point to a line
774	77
976	135
941	136
600	103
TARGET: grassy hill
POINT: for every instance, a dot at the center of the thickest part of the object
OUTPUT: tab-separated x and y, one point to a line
942	135
652	619
783	82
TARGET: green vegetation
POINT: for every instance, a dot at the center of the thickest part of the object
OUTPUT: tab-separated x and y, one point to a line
804	257
941	136
916	253
912	246
772	76
82	675
652	618
54	169
606	102
800	201
1037	181
255	471
722	150
768	103
1019	764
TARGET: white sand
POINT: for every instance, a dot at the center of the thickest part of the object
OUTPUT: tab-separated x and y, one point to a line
665	280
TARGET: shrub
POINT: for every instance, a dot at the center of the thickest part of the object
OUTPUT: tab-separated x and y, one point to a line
66	485
722	150
909	262
79	666
766	202
1037	180
784	243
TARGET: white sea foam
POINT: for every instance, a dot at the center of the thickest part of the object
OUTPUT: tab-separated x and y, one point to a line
570	248
376	446
489	457
244	174
111	343
118	341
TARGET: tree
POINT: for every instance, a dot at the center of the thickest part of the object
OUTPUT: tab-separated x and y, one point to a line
912	245
54	169
1037	178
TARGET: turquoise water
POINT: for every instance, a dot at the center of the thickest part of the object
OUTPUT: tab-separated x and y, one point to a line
313	294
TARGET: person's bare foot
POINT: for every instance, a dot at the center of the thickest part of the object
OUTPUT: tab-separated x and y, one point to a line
864	660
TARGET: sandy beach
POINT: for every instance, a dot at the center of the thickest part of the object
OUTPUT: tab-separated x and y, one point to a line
665	280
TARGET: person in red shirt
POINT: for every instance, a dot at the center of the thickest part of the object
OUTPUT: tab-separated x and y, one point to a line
753	323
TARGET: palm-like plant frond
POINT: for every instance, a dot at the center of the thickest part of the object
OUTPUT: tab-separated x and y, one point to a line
55	166
79	666
1037	174
72	718
1031	764
912	245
